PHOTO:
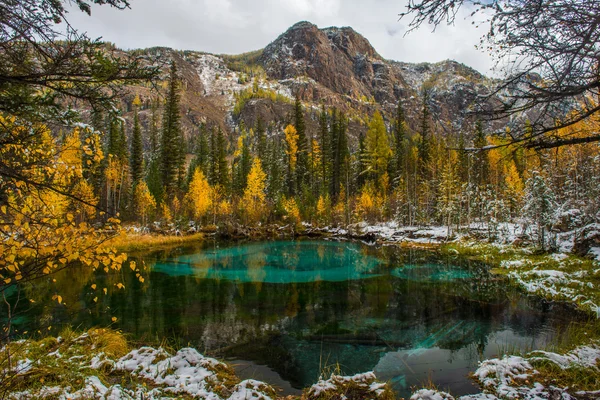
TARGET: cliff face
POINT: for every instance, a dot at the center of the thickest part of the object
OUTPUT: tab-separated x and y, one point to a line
338	60
331	66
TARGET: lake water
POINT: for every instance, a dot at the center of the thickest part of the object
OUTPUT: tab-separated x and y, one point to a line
288	311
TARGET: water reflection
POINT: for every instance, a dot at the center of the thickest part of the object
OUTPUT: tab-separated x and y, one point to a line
299	307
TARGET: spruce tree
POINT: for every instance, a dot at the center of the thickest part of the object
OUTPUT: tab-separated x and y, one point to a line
480	162
213	158
325	143
274	181
137	151
261	139
302	167
171	140
399	139
153	128
221	160
201	153
424	143
339	154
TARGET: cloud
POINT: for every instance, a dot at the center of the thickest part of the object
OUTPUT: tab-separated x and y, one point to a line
236	26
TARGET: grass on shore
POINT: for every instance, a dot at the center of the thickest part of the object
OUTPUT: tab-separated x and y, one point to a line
129	242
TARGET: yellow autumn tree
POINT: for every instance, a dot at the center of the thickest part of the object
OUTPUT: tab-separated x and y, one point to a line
254	194
292	211
515	188
144	202
323	209
199	196
291	139
39	234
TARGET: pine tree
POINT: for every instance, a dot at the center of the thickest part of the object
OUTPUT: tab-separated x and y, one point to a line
137	151
171	140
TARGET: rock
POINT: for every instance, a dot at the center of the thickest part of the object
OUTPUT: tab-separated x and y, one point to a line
586	238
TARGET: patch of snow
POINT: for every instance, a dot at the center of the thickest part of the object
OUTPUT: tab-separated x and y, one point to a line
430	394
586	356
247	390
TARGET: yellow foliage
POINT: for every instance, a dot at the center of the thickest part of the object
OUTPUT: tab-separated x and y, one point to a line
291	209
254	194
199	196
42	225
291	138
323	208
513	180
144	201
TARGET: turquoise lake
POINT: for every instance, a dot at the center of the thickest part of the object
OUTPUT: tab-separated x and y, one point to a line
286	311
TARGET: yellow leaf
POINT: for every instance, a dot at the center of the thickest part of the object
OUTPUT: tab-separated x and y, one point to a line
3	209
7	280
46	270
114	319
120	285
93	286
95	299
132	265
62	260
105	290
141	279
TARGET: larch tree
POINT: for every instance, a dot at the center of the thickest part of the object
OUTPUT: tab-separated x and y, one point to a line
255	192
144	202
291	140
199	196
377	147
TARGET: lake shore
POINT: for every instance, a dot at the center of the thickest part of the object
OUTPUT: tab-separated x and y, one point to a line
568	367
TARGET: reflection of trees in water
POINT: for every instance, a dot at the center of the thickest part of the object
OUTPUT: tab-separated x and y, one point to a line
256	262
376	314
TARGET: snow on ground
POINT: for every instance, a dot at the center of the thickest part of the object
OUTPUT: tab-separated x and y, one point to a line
147	373
514	377
366	382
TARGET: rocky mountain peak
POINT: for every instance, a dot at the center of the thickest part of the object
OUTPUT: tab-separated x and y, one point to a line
338	60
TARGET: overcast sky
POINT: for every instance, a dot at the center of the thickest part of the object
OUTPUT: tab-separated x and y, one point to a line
237	26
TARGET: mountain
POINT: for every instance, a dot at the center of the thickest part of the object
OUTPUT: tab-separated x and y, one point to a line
333	66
